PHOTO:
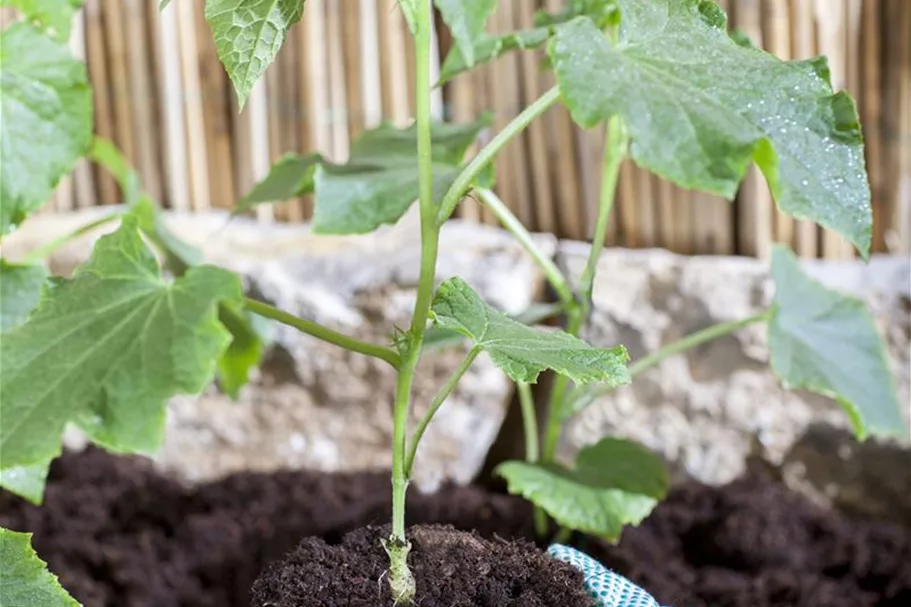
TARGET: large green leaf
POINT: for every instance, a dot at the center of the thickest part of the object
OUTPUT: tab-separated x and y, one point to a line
106	349
466	20
248	35
20	288
699	108
827	342
291	176
523	351
45	119
613	483
380	180
247	342
54	16
24	578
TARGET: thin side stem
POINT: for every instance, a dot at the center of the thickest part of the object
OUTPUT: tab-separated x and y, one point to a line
463	182
693	340
678	347
435	405
49	247
512	225
320	332
615	147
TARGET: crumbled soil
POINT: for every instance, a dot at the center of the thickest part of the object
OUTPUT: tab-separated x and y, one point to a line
451	568
119	534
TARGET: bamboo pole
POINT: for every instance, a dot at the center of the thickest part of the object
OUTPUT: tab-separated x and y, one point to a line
215	91
754	200
175	145
337	91
370	60
114	23
777	26
832	20
96	61
394	72
193	106
871	110
804	47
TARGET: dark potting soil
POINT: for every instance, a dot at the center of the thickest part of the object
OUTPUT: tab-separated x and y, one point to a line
450	567
119	534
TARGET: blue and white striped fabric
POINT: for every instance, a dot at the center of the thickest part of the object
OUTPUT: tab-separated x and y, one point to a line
609	589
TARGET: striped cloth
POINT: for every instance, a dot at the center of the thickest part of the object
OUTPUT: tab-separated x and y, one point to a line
609	589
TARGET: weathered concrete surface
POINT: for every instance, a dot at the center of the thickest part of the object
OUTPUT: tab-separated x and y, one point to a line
313	404
707	411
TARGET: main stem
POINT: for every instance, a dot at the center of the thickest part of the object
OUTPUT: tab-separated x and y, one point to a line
401	581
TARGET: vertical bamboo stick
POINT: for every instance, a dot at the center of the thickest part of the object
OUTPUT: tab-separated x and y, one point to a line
902	217
289	107
316	134
628	232
193	106
754	201
350	27
337	90
871	109
777	26
216	108
832	21
540	192
117	56
804	47
96	60
394	73
83	181
169	83
255	121
371	89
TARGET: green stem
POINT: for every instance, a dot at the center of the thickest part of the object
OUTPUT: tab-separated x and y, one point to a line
435	405
49	247
693	340
401	582
558	391
529	421
615	147
682	345
512	225
320	332
485	156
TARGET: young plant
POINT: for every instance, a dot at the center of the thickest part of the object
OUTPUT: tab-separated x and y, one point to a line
680	97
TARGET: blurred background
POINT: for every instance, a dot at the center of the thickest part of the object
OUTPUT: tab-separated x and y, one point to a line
162	96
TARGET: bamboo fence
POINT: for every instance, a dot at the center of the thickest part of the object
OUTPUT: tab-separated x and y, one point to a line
163	97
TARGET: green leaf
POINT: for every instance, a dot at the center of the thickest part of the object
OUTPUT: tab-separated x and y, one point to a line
436	338
248	35
247	343
24	578
380	180
25	481
466	20
52	16
291	176
522	351
613	483
45	119
20	289
409	9
107	348
700	108
827	342
245	351
487	48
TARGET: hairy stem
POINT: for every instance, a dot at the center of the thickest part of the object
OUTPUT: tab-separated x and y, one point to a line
401	581
320	332
435	405
49	247
463	182
615	147
512	225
